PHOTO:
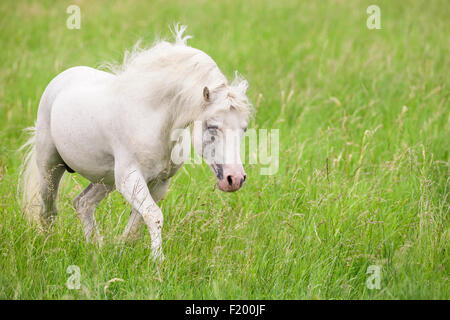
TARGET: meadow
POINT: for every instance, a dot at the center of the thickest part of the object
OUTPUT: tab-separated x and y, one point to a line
363	178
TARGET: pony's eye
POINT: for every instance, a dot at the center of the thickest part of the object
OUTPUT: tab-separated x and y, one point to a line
212	127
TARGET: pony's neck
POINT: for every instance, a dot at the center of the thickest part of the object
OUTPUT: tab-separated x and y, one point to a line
171	77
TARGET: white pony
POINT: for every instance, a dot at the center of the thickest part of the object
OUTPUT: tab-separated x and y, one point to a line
114	129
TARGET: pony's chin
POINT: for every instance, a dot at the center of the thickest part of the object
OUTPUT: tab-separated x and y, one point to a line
225	187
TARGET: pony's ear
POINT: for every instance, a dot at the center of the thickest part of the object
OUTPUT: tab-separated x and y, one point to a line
206	94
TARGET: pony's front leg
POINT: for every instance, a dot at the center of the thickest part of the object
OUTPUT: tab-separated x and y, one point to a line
132	185
157	191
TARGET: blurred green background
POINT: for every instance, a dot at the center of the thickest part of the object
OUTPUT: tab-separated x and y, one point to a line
364	154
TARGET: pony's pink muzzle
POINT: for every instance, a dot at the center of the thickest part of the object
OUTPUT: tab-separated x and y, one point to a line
232	179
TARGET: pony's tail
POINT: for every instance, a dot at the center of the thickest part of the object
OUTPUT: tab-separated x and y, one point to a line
29	179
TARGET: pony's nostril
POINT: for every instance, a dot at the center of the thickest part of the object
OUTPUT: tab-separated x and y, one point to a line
245	177
230	180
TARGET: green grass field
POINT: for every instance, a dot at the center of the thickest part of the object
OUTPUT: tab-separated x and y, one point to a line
364	154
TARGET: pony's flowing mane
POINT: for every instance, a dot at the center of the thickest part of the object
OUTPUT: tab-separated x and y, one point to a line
176	74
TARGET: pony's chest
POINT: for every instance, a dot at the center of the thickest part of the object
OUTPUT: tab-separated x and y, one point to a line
156	163
165	172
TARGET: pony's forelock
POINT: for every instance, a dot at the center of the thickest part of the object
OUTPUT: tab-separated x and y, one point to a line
177	32
238	95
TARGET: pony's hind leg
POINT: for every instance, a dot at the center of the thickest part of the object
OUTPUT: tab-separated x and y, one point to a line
48	189
50	168
85	204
